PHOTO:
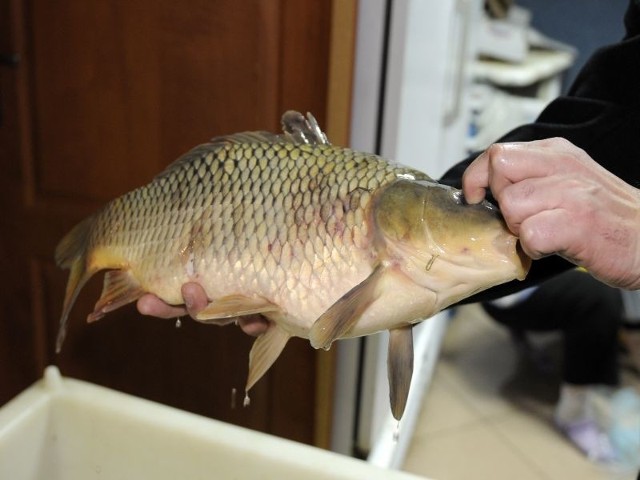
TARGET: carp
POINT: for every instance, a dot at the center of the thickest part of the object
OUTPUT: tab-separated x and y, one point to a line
323	241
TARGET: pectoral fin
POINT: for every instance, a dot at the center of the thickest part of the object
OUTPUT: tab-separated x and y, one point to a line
399	368
344	314
119	289
234	306
266	350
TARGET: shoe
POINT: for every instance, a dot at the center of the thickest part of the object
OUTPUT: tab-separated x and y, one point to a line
603	422
624	427
587	436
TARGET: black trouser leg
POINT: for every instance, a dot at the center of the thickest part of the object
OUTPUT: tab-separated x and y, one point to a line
588	313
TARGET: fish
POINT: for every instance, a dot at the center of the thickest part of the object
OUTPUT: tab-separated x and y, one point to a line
325	242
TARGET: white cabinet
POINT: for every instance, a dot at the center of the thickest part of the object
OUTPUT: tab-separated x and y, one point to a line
512	85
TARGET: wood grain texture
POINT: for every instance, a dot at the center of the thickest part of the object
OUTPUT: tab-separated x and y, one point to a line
107	94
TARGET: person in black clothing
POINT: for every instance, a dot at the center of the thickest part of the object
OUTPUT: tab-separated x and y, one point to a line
588	312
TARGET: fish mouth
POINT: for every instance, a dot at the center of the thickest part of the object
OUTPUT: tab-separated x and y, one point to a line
510	248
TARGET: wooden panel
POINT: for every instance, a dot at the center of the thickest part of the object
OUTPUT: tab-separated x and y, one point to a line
108	93
17	350
146	82
90	86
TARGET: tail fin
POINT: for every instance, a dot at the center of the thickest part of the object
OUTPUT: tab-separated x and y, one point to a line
71	253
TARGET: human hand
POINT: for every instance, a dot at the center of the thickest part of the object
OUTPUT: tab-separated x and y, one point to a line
558	200
195	299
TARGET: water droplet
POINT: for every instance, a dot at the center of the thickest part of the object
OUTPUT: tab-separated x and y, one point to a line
247	400
178	323
233	397
396	433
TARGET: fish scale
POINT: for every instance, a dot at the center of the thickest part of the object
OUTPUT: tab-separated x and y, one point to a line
323	241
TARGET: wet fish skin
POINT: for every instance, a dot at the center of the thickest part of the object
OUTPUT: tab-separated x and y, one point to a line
324	241
240	219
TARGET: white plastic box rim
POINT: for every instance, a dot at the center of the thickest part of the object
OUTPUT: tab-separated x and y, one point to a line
62	428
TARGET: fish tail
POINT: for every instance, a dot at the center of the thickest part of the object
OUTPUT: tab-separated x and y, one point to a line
71	253
74	244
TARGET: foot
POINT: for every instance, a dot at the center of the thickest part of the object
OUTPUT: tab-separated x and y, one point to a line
587	436
577	415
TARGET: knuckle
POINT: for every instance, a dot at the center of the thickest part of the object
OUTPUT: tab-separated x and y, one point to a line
531	244
558	142
496	154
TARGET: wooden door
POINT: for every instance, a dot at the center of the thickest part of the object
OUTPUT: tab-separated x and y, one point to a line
105	94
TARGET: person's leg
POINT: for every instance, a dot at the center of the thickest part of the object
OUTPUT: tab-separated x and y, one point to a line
591	331
589	315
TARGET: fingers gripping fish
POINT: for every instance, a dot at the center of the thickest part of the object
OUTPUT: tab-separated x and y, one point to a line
323	241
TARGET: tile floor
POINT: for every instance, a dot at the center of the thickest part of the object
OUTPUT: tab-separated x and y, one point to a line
488	412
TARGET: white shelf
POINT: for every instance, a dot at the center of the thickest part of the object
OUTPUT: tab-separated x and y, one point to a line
539	65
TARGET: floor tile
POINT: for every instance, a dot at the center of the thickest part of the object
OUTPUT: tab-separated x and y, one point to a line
474	451
477	360
488	413
453	411
539	442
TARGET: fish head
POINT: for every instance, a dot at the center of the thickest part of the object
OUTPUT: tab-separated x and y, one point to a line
444	244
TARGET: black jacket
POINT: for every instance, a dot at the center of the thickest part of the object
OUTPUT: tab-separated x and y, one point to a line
600	114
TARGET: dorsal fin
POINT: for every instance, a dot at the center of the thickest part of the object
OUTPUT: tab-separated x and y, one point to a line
297	130
259	136
301	130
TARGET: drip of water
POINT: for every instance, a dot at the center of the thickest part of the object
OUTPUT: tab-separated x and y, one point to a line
396	433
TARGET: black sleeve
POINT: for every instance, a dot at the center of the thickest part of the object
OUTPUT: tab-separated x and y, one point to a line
600	114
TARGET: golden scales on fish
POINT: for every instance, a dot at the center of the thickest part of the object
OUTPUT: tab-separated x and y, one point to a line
323	241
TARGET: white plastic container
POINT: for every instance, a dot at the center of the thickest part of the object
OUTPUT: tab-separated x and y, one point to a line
67	429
